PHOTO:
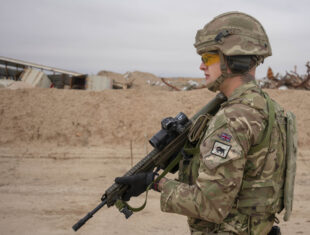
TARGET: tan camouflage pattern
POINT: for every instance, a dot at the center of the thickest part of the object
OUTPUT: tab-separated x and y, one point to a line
247	36
238	193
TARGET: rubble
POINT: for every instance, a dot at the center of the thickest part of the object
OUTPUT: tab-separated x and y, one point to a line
169	85
291	80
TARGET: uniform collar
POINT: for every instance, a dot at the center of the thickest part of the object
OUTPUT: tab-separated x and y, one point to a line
242	89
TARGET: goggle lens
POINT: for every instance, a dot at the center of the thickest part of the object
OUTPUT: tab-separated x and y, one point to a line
209	59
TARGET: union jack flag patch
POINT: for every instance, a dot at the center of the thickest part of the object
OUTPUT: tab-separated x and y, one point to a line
225	137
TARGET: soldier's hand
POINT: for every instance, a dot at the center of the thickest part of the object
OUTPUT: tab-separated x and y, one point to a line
137	183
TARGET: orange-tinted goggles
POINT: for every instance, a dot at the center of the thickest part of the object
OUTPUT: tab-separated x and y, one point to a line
209	58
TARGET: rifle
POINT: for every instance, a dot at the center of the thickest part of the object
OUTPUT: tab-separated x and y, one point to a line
167	143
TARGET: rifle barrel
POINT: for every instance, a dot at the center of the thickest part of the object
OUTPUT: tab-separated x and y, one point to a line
82	221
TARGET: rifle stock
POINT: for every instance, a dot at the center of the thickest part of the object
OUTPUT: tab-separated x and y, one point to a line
153	160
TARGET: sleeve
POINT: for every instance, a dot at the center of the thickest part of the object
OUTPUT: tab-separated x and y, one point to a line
222	161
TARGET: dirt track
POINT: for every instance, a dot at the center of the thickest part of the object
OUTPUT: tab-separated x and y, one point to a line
53	171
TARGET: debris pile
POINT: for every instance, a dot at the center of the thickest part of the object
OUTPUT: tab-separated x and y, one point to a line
291	80
13	85
188	85
143	80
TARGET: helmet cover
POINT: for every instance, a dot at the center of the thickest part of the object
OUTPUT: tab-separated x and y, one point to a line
233	33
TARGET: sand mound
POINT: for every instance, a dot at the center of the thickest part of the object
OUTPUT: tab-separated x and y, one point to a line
88	118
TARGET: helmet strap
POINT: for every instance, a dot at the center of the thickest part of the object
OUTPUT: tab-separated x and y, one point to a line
215	86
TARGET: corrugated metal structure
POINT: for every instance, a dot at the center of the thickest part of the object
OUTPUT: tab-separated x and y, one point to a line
20	64
33	74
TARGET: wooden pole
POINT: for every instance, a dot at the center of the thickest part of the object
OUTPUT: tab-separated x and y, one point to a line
131	156
146	144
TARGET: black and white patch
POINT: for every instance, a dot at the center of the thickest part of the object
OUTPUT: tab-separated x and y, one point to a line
220	149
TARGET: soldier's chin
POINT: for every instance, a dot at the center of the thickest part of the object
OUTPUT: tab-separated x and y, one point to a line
208	81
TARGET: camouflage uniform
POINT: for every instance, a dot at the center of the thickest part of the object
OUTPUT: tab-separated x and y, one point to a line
226	185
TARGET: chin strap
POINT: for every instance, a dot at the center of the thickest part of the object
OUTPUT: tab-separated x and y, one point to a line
215	86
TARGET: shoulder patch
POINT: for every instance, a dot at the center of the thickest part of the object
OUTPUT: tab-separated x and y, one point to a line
220	149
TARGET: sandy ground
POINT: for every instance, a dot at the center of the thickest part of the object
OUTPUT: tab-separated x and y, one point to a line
60	150
45	191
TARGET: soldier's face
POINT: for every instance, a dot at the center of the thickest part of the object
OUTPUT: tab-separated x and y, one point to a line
211	72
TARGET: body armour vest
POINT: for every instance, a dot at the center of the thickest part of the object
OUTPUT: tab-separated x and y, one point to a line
262	189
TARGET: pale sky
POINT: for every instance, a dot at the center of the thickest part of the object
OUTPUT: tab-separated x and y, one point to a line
150	36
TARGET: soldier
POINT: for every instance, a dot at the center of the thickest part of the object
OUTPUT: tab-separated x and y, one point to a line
231	178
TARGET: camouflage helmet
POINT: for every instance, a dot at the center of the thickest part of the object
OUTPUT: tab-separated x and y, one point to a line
233	33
